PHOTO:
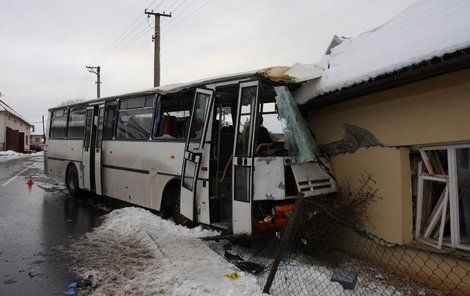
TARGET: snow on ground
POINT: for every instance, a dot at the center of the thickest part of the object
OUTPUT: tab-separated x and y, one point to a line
135	252
10	154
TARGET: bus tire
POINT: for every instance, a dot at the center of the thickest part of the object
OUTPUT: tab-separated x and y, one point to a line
177	217
71	181
168	199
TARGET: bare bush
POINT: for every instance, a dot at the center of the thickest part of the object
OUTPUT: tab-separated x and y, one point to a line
353	202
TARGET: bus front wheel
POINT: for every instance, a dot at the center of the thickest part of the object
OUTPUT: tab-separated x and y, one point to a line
72	181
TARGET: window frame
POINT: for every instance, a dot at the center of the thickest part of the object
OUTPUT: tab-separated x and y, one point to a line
66	115
157	126
69	112
453	195
113	132
118	110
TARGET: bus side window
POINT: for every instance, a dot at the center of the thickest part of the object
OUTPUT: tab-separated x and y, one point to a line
76	125
172	119
110	119
134	119
58	124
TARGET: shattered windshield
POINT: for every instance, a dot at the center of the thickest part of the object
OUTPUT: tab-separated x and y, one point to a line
299	141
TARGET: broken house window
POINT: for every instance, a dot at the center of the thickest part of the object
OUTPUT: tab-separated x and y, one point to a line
298	138
443	197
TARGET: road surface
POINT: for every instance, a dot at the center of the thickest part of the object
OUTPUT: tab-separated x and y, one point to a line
35	225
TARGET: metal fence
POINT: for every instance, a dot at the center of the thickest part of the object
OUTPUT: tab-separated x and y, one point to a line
322	253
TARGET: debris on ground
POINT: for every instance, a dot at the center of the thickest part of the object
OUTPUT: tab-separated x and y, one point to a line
233	275
71	289
32	274
243	265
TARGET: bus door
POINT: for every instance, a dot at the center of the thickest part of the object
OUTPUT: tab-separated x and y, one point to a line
242	165
97	150
194	199
88	150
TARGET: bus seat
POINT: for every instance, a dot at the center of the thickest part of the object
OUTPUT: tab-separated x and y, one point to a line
173	126
165	127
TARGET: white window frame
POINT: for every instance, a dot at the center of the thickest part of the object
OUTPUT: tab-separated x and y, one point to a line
451	198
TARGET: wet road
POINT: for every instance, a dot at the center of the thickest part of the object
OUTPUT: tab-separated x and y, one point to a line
34	223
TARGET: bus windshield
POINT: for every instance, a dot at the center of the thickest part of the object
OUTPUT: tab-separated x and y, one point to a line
299	140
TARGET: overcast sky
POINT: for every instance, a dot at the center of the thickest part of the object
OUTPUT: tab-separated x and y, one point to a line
45	45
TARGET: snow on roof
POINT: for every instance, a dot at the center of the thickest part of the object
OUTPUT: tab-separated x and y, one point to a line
5	107
424	30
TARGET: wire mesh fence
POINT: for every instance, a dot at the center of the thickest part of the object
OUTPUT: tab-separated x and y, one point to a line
324	254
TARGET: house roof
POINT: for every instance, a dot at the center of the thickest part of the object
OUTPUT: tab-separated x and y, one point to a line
6	108
425	30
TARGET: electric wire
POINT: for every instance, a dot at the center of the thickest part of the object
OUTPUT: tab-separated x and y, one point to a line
188	7
168	9
118	45
131	41
176	8
131	28
188	16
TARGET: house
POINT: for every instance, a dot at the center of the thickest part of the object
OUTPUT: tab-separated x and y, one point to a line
14	130
395	102
36	139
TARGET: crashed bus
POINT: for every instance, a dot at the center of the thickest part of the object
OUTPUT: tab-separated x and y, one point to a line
232	152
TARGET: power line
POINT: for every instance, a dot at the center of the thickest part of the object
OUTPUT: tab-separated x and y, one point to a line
168	9
176	8
187	7
187	16
120	38
120	44
127	32
130	41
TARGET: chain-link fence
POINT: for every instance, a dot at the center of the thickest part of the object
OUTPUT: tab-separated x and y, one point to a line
322	253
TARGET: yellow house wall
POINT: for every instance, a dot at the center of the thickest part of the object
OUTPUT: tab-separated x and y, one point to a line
432	111
389	167
435	110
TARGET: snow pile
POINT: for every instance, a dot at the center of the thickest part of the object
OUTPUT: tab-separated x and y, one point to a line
424	30
9	154
137	253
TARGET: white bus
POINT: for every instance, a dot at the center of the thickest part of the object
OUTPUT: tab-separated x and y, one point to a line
213	152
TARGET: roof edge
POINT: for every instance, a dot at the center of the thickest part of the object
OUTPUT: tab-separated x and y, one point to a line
447	63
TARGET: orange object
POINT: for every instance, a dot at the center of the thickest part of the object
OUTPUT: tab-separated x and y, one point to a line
262	227
30	181
275	222
166	125
280	222
283	211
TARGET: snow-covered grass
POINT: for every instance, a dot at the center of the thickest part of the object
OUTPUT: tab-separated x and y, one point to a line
135	252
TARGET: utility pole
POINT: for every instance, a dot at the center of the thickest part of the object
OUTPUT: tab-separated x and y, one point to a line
96	70
43	130
156	40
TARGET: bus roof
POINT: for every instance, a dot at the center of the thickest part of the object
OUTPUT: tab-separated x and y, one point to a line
280	74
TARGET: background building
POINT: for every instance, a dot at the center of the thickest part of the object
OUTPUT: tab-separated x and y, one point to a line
14	130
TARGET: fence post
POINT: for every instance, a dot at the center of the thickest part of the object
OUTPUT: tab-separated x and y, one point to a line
288	233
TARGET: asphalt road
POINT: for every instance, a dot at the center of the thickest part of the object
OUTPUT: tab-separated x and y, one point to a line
36	224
